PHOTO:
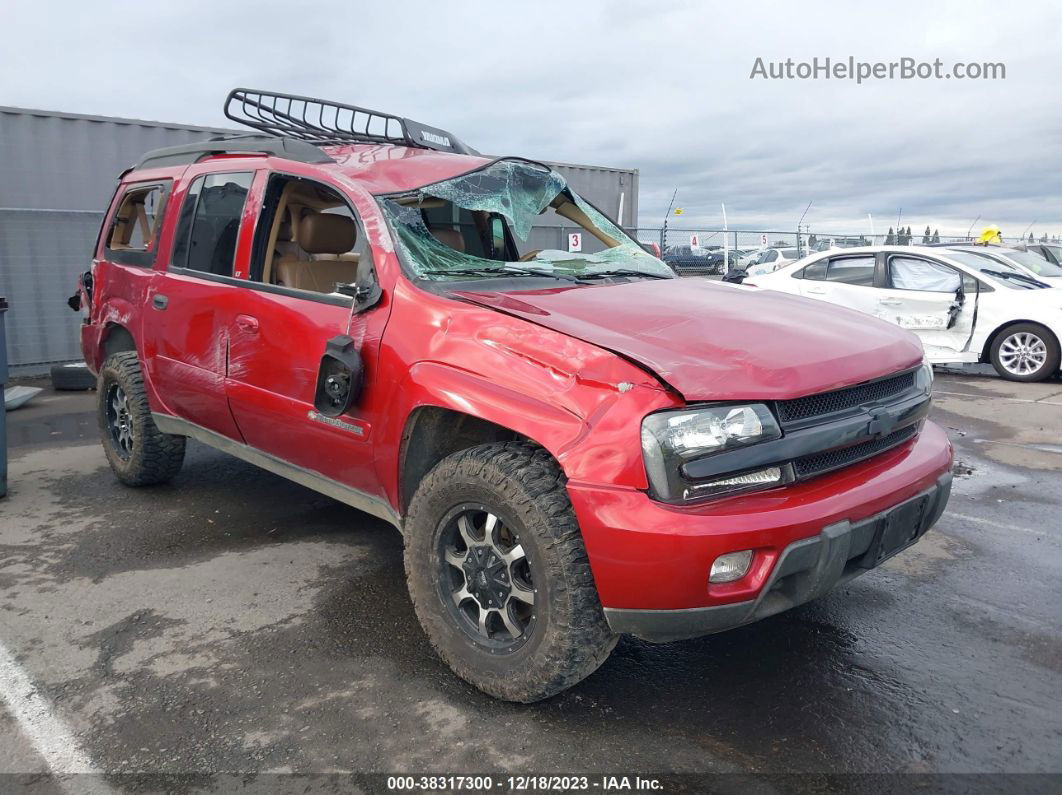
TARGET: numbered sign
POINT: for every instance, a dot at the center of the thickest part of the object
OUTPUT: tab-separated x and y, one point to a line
575	241
763	240
695	241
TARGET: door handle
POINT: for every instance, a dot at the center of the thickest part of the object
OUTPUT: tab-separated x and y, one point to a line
817	290
247	323
890	301
159	301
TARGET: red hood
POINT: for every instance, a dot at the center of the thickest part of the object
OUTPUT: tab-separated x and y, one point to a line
716	342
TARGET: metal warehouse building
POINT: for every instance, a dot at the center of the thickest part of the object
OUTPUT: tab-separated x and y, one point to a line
57	175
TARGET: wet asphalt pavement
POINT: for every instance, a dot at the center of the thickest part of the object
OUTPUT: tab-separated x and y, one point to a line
234	622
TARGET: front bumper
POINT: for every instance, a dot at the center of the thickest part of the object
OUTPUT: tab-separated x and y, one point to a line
652	559
805	570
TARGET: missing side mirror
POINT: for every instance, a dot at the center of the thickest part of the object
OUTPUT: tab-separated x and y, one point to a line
339	378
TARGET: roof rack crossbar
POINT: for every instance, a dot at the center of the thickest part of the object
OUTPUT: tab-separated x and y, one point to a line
322	121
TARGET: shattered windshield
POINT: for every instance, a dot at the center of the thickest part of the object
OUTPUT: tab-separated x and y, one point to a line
512	218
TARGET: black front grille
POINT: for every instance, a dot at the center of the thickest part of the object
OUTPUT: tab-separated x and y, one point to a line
819	463
832	402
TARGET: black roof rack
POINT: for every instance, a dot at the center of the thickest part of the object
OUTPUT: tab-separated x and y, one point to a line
287	148
321	121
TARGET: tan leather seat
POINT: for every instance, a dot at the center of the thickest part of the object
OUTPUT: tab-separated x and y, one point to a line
448	237
329	238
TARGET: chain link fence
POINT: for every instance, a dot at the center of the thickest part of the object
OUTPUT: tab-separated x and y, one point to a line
746	245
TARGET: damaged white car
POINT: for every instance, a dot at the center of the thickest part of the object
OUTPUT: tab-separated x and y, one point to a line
963	306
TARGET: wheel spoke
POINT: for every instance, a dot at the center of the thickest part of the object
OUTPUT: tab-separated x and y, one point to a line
456	559
522	594
464	527
461	595
513	555
483	615
507	619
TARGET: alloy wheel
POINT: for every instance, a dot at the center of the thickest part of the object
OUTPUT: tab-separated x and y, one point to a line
485	579
119	421
1023	353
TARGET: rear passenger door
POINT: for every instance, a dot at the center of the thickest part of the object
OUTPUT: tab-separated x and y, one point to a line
192	303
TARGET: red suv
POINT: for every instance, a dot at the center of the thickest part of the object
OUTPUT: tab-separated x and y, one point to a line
574	445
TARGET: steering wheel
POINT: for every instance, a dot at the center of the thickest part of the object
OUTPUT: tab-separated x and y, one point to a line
530	255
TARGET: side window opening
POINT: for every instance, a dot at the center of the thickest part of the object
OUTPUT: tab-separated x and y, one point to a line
308	238
476	232
858	271
209	223
135	226
909	273
816	271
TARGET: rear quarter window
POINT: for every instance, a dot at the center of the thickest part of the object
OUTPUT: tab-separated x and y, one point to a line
132	235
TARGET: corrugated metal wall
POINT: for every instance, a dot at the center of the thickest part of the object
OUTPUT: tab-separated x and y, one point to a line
57	175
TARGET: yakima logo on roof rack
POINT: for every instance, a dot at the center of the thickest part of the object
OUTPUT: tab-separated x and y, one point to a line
434	138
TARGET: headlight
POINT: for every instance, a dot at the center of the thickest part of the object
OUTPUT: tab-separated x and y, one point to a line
671	438
924	377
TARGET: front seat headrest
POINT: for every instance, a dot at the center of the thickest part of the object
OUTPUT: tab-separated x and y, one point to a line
324	233
449	237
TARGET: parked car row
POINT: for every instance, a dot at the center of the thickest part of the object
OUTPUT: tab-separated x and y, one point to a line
966	303
695	259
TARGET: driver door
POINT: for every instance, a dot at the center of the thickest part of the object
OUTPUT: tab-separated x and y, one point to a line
924	296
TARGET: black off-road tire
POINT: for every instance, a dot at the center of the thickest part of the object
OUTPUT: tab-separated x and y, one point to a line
155	457
524	484
1052	354
72	378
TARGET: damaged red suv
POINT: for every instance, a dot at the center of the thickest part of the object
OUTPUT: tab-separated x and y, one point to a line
573	445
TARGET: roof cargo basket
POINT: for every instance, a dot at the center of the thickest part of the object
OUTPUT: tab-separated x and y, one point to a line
320	121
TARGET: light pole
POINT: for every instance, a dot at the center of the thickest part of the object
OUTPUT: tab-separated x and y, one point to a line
663	230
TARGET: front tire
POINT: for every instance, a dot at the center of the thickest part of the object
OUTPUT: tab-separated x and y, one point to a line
1025	352
499	576
138	452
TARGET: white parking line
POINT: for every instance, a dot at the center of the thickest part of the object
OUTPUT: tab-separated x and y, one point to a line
990	523
51	738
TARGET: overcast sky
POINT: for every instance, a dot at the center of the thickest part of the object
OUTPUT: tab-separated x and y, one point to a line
662	87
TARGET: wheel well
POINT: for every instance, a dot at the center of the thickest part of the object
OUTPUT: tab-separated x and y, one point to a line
986	353
431	434
117	339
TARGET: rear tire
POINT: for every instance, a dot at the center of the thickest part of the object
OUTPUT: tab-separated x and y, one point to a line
1025	352
138	452
496	520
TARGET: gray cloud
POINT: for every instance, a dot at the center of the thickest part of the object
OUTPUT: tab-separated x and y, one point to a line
661	87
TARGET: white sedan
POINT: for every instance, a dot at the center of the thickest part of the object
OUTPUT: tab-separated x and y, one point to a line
964	307
771	259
